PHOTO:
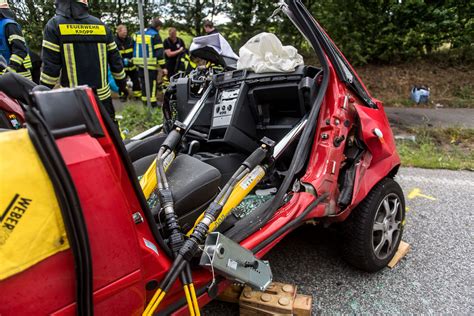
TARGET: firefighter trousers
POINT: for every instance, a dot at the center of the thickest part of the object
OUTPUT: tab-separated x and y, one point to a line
109	107
153	75
133	75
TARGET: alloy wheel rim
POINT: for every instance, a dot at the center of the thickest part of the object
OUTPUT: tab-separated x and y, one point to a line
387	226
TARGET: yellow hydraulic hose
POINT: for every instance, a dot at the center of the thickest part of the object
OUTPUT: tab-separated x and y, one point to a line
154	302
148	181
194	298
189	299
240	191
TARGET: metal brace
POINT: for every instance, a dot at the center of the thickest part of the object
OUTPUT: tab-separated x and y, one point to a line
236	263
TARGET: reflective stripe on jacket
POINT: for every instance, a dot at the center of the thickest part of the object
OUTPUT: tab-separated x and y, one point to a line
153	50
13	47
125	47
79	52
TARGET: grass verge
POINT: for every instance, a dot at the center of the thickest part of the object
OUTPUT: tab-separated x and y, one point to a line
438	148
136	118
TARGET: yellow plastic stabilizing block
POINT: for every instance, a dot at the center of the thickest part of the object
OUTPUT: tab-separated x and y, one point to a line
31	223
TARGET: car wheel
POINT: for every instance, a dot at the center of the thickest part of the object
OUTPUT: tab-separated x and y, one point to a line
373	231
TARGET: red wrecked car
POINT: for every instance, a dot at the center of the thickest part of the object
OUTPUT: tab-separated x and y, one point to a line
166	222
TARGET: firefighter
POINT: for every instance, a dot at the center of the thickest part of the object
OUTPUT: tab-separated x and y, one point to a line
77	49
155	58
174	49
125	45
188	63
12	43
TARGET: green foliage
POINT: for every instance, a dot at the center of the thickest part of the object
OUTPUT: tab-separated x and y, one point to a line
33	16
366	31
136	119
450	148
250	17
393	30
189	15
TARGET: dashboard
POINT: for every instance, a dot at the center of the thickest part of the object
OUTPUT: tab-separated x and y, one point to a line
247	106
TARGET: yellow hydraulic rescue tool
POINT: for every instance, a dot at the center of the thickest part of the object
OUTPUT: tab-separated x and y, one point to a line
241	190
237	188
154	180
247	176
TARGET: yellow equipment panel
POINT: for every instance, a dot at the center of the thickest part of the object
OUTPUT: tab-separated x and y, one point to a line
31	225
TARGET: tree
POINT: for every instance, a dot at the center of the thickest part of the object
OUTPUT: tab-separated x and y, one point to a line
366	31
189	15
33	15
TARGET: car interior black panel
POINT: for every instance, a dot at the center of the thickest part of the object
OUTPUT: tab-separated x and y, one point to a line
225	163
144	147
142	164
244	107
232	122
67	112
185	100
193	183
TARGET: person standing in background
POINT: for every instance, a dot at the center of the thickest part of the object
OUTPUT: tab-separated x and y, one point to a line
12	43
125	46
174	50
155	59
77	48
209	28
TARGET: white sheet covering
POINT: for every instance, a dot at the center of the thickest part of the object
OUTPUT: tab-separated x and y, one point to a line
265	53
217	42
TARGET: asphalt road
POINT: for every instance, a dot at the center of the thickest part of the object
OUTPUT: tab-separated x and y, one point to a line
444	117
435	277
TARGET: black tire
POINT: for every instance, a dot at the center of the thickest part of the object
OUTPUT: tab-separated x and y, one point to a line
367	230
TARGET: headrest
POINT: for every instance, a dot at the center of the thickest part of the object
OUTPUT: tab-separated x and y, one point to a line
68	112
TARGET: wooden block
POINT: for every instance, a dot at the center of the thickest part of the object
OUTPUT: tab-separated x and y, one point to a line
254	311
302	305
403	249
231	294
276	300
282	289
